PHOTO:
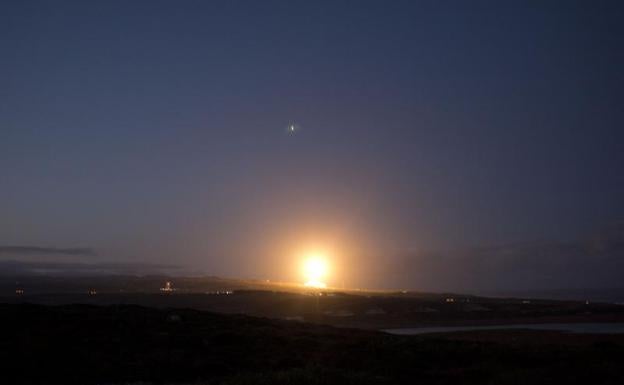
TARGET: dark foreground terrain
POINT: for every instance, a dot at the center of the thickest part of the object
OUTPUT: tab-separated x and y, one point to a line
84	344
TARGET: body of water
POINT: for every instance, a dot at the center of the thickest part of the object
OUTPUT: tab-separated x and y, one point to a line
600	328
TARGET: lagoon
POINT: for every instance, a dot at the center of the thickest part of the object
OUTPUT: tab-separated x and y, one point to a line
592	328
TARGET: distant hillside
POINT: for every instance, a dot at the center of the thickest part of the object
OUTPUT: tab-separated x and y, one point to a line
611	295
361	309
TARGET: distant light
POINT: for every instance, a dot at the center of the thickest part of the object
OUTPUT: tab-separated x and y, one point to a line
292	128
168	287
315	269
316	284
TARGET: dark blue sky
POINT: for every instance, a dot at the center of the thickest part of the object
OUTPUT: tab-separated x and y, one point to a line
155	131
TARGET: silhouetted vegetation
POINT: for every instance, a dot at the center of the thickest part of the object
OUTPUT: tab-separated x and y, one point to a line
82	344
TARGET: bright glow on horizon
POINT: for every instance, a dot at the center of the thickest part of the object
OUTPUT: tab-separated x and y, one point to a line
315	269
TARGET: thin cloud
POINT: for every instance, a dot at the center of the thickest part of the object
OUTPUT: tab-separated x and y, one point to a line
595	261
35	250
20	268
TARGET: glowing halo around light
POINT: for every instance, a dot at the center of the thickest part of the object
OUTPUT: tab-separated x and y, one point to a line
315	269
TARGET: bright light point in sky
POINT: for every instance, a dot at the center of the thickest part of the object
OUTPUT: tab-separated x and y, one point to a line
314	269
292	128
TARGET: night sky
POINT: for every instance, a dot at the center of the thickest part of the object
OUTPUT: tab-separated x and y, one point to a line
439	145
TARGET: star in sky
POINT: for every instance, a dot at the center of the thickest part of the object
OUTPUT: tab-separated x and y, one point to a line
292	128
